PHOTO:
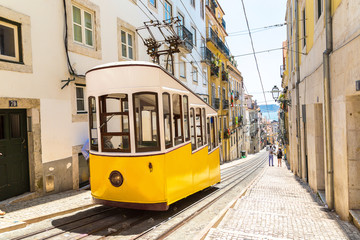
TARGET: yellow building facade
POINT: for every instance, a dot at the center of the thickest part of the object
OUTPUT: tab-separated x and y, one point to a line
218	59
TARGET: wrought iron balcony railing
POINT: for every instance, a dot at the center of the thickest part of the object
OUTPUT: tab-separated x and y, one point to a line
213	37
216	103
207	55
225	104
186	37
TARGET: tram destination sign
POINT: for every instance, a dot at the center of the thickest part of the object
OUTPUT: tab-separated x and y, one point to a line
13	103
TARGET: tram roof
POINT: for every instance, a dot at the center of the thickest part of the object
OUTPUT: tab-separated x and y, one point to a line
123	63
144	63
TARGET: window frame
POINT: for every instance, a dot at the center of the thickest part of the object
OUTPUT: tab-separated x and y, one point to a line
153	5
147	149
127	46
195	74
166	11
94	147
18	58
184	64
180	138
82	25
186	113
83	99
170	145
193	31
103	131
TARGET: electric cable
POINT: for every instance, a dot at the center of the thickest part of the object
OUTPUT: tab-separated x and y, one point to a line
253	48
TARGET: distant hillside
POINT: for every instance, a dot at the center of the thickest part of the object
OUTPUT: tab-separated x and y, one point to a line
270	108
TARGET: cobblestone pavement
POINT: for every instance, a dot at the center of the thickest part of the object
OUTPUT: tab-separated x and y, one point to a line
279	206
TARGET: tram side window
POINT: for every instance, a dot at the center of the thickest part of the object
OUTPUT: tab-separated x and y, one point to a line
198	124
167	120
114	123
203	123
177	119
147	137
192	129
208	133
216	132
213	135
186	117
93	124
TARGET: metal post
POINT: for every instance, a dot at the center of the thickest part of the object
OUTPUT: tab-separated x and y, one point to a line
297	69
329	187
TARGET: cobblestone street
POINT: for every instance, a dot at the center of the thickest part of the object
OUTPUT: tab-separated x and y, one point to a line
279	206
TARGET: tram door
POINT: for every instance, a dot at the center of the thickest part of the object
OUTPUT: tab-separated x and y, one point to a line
14	164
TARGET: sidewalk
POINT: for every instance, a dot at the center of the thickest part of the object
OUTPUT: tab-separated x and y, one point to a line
279	206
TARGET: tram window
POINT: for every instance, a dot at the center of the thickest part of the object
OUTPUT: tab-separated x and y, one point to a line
93	124
146	122
167	120
216	132
203	121
198	124
186	118
192	129
114	123
208	133
177	118
213	135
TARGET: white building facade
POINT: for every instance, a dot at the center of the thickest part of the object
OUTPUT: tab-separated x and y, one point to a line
44	56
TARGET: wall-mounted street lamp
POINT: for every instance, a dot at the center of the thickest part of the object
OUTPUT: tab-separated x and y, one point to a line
275	92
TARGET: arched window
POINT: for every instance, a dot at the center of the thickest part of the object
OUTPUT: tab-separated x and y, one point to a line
167	120
146	114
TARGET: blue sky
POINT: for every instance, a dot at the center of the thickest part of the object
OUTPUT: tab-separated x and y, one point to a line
260	13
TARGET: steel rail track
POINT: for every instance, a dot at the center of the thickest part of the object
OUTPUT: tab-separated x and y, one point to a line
231	173
197	212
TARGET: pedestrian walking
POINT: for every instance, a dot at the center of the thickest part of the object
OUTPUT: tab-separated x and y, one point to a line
279	157
271	152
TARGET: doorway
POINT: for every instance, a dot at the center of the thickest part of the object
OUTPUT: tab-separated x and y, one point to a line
14	163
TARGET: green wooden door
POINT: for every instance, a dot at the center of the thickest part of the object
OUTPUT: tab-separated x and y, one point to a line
14	164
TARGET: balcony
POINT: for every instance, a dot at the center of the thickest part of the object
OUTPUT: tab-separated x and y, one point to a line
282	70
223	23
186	36
214	70
211	4
213	37
207	55
225	104
224	76
236	95
216	103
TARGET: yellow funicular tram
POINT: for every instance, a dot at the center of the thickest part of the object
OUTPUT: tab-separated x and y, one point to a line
152	140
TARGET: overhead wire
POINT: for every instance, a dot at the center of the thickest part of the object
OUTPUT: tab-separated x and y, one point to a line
253	48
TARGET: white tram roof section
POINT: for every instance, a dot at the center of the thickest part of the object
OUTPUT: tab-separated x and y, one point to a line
135	76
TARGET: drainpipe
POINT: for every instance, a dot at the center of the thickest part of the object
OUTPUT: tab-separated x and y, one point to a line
297	69
327	108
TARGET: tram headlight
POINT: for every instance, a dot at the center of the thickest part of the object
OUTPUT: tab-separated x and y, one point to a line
116	178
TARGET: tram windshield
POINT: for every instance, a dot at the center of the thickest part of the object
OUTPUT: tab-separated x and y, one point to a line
147	137
114	123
